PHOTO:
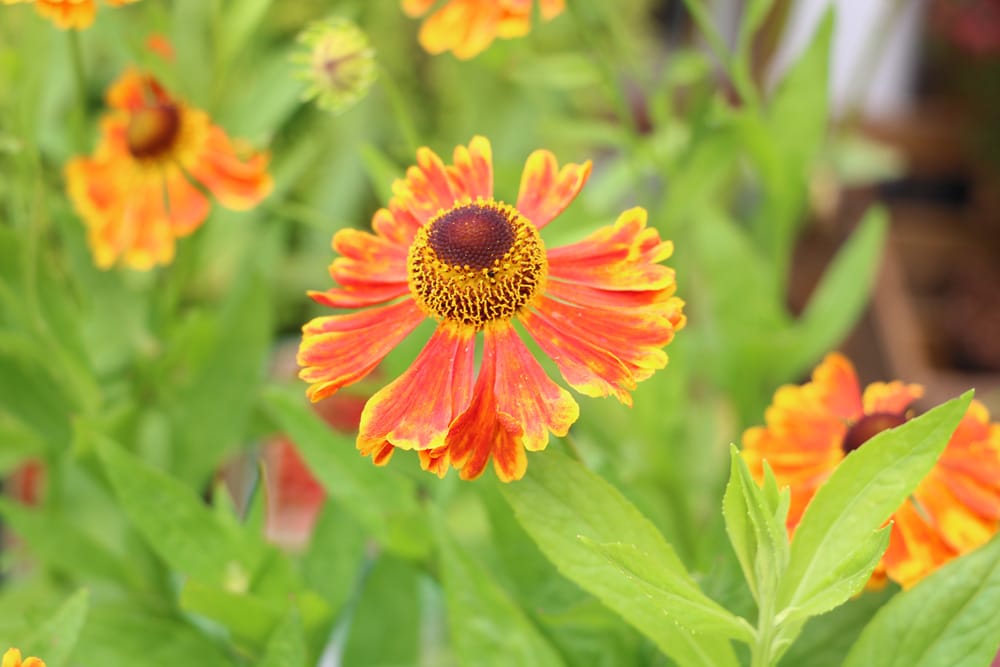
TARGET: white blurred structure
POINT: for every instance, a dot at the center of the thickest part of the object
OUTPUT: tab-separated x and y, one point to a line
876	52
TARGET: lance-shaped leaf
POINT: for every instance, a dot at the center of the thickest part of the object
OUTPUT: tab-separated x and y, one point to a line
57	636
949	618
559	502
755	521
834	543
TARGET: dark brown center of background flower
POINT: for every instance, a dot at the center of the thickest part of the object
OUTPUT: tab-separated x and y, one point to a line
476	263
152	130
868	427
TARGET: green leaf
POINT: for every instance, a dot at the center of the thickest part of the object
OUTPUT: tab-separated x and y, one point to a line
826	639
949	618
127	635
242	18
211	412
486	626
755	521
559	501
841	294
251	619
187	534
863	492
383	501
59	542
56	637
332	563
390	599
287	645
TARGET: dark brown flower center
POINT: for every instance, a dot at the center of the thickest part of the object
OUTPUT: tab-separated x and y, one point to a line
868	427
152	130
476	263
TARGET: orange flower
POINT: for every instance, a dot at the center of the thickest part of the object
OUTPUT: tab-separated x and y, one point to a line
810	428
135	193
601	308
468	27
69	13
12	658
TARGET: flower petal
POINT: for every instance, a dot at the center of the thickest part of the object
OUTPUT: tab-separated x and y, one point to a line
547	190
414	411
464	27
634	337
472	174
187	207
338	350
890	397
915	549
482	431
526	393
426	190
237	183
367	259
623	256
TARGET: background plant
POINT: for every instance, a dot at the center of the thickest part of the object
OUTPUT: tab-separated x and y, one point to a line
134	389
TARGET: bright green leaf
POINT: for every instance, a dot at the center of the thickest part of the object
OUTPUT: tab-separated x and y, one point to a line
841	294
949	618
57	636
487	627
287	645
559	501
864	490
755	521
185	532
382	501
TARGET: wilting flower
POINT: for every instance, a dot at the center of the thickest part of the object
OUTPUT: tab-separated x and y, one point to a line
12	658
468	27
811	428
340	64
445	249
135	192
69	13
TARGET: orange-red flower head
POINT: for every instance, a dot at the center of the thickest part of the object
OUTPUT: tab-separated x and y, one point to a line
468	27
12	658
69	13
810	428
135	193
445	249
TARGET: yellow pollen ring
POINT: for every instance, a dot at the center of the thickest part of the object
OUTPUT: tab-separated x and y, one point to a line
477	262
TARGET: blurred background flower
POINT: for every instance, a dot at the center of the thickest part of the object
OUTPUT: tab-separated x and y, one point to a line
339	64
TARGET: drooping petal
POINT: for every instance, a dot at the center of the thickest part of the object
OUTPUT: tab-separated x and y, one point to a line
526	393
634	337
238	183
68	14
367	259
623	256
482	431
414	411
187	207
338	350
547	190
359	297
435	460
591	371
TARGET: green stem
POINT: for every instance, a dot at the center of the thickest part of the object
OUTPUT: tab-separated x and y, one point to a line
400	110
80	78
571	447
760	654
739	76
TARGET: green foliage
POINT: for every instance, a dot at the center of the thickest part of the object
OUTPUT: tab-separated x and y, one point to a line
948	618
146	398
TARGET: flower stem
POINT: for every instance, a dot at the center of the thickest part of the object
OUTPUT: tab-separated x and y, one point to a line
571	447
760	653
80	77
399	109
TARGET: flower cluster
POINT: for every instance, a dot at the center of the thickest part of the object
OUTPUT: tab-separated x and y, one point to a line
69	13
